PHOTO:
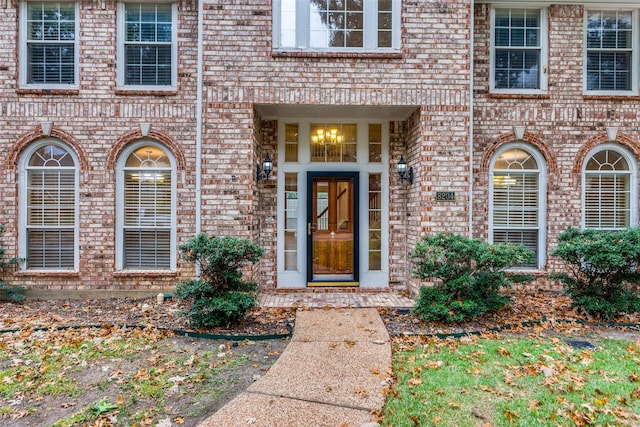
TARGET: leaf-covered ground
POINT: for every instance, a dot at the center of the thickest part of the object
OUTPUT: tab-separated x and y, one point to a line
75	363
125	311
529	310
110	375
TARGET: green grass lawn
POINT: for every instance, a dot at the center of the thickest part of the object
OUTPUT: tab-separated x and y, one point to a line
509	381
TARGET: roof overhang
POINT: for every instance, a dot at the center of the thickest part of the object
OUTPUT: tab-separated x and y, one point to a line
605	4
373	112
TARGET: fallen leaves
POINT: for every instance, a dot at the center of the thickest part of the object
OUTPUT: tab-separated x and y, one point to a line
511	415
414	382
541	380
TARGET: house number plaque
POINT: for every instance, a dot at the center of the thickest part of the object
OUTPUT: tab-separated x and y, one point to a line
445	196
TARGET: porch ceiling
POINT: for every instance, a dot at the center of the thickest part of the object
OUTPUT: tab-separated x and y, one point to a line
374	112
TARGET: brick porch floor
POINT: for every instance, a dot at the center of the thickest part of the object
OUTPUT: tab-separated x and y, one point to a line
334	299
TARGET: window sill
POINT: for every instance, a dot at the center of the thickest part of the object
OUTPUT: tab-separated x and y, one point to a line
46	273
145	273
45	91
533	271
146	92
625	97
519	96
326	54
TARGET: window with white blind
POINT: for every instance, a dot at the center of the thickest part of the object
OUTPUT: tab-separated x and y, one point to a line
147	48
48	44
49	198
517	199
609	189
146	191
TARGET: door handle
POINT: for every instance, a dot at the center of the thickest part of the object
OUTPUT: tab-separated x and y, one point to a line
308	229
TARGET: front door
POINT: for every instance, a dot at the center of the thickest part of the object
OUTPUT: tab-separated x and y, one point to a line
332	232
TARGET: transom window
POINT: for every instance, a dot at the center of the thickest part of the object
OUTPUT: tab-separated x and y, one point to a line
336	24
148	45
608	190
333	142
50	203
146	210
519	50
48	50
516	203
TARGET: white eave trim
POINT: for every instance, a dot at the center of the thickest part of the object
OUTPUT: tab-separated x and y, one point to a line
609	4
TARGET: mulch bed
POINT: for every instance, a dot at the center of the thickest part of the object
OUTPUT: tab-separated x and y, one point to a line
553	307
530	312
126	311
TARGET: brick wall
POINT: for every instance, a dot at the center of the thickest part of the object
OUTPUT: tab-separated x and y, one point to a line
563	124
431	73
98	123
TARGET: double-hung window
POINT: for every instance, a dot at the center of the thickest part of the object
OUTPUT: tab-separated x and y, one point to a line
49	183
329	25
519	50
147	48
517	200
146	192
611	58
49	44
609	189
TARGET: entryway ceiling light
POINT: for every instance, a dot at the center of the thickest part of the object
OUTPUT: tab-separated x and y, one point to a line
331	136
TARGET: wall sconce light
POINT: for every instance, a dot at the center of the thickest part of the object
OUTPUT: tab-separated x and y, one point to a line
404	173
264	171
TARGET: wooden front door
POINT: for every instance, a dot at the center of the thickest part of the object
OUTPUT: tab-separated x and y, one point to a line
332	232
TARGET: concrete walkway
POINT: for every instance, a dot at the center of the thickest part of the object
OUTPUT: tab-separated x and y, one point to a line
331	374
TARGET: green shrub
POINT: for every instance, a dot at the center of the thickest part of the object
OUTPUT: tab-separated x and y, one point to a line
11	293
220	296
472	276
600	267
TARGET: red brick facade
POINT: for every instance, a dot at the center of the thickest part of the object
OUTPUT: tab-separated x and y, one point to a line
243	76
563	125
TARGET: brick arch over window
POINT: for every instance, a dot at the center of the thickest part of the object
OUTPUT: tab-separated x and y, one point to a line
621	139
36	134
136	135
528	137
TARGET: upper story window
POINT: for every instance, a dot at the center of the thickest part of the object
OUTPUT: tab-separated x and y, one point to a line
331	25
611	52
49	202
519	50
147	47
48	44
609	189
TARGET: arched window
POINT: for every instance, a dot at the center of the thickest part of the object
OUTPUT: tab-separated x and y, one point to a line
146	190
49	202
609	189
517	200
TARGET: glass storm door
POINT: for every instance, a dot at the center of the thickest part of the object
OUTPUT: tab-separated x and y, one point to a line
332	233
